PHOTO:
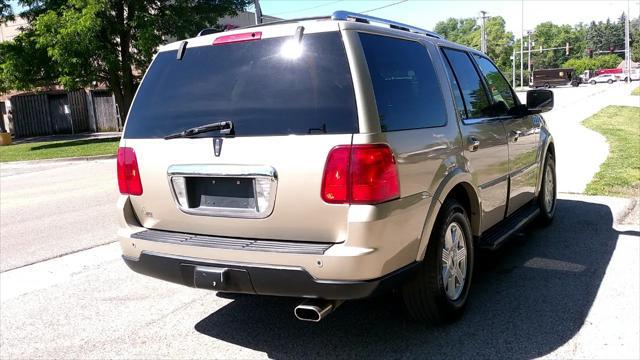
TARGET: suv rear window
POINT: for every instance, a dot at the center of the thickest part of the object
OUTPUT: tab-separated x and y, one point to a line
406	88
253	84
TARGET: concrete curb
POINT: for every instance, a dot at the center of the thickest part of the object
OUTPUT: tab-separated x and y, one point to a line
58	160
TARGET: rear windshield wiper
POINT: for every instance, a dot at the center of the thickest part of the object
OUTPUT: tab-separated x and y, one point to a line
225	127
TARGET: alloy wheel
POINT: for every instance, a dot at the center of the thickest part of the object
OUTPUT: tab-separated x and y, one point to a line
454	261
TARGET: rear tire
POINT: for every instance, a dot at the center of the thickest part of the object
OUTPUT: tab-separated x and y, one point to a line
609	81
547	197
592	82
438	293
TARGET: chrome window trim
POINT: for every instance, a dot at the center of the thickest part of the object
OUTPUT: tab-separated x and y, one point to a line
482	120
254	172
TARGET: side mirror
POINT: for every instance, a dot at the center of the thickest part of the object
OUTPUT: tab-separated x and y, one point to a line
539	101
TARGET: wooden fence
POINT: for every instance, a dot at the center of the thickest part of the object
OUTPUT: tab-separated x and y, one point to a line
62	112
104	109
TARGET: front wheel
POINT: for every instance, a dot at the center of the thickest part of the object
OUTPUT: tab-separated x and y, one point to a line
592	82
438	294
548	191
610	81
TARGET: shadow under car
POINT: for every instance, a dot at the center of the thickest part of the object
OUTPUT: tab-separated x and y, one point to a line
527	299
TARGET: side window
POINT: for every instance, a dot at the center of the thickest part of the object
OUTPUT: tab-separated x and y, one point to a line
407	91
457	93
475	97
498	85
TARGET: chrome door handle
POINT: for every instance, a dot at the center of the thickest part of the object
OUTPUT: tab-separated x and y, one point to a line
516	135
474	143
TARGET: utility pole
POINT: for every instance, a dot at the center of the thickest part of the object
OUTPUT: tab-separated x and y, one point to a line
522	46
627	49
513	68
529	53
483	32
258	11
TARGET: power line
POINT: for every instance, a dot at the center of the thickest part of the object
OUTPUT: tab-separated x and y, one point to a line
382	7
309	8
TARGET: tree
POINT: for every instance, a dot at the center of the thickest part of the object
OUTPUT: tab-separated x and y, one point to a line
605	36
467	32
24	65
108	41
549	35
597	62
6	12
634	33
499	43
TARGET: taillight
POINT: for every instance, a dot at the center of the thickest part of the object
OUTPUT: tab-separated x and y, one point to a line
335	181
128	172
360	174
237	38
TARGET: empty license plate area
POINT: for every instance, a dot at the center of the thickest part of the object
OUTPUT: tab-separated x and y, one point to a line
221	192
224	190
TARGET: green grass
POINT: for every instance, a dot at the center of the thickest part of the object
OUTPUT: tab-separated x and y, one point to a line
58	149
620	173
636	91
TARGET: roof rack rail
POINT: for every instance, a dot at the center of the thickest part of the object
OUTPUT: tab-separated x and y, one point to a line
286	21
346	15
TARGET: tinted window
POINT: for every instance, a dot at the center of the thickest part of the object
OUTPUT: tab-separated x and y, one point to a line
254	84
498	85
475	97
457	95
406	88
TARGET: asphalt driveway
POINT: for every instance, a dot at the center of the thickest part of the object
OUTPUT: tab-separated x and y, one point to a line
551	292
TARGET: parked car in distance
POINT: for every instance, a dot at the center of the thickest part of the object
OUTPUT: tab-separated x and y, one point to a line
548	78
329	159
605	78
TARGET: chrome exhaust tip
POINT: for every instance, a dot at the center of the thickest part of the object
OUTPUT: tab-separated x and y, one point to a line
315	309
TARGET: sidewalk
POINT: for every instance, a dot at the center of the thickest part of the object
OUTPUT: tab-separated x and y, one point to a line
63	137
581	151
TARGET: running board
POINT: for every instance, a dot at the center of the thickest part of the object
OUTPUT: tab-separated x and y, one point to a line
495	237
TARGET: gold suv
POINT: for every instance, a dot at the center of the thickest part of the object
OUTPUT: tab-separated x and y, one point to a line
329	159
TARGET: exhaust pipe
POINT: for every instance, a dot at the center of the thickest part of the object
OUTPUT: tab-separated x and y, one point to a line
315	309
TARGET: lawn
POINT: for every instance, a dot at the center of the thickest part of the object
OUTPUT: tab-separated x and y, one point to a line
58	149
636	91
620	173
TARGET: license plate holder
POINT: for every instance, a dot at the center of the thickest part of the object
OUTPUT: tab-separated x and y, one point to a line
221	192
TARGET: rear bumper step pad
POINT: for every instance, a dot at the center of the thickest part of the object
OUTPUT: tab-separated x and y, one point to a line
295	247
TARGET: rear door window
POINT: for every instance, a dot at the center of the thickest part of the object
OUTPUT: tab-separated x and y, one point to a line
262	86
475	97
407	90
457	93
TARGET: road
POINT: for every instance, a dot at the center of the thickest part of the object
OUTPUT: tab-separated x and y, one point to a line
52	209
567	291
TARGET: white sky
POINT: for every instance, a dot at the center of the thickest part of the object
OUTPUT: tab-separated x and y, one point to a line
426	13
